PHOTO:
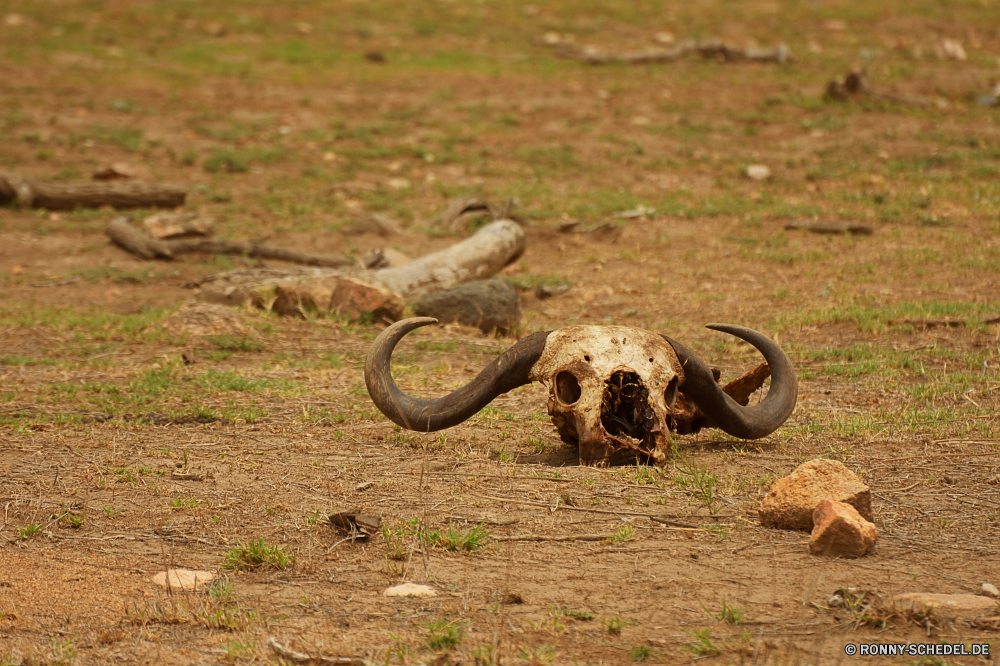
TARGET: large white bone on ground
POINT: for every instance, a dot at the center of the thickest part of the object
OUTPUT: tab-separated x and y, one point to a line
611	388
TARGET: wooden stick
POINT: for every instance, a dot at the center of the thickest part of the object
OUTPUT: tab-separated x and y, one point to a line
303	658
141	245
188	246
831	228
706	48
88	194
477	257
136	242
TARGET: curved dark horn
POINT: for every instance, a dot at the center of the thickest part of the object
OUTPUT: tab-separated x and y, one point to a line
506	372
753	422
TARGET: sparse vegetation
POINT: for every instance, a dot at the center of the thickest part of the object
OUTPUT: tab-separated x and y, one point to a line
129	447
255	555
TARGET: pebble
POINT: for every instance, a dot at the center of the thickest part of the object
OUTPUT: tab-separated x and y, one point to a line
989	590
758	172
183	579
410	590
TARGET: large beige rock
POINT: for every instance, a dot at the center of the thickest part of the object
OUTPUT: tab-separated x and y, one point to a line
840	531
410	590
955	605
183	579
793	500
342	295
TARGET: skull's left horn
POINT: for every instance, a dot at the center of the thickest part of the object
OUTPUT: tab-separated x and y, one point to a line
725	413
505	373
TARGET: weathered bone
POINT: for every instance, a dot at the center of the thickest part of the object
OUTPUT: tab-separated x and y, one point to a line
611	388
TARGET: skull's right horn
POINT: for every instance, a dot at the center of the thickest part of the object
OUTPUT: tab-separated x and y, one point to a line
753	422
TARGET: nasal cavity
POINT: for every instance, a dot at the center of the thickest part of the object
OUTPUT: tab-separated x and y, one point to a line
670	394
567	388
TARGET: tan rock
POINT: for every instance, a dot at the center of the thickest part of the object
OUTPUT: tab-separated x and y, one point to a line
410	590
840	531
346	296
183	579
793	500
177	225
205	319
956	605
123	170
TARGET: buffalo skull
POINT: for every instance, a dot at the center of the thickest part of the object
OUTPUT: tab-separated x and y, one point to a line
611	388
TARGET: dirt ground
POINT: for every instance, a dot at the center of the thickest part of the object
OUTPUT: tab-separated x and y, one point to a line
291	123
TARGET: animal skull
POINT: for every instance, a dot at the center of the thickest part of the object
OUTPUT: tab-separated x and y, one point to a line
611	388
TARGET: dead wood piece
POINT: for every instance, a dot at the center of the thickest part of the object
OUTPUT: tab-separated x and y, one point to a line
383	292
831	228
706	48
461	206
930	323
128	237
688	418
304	658
477	257
255	250
88	194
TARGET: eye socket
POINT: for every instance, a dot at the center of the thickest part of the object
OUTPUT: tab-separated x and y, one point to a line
568	389
670	393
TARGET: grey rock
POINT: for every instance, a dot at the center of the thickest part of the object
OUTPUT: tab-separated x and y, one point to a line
989	590
489	305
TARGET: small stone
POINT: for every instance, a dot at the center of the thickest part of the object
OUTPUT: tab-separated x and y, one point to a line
14	20
177	225
989	590
410	590
665	38
836	601
215	28
183	579
489	305
793	499
123	170
758	172
840	531
952	48
964	605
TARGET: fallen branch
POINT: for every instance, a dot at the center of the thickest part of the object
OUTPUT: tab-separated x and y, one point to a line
383	292
944	323
88	194
146	247
830	228
255	250
129	238
304	658
706	48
